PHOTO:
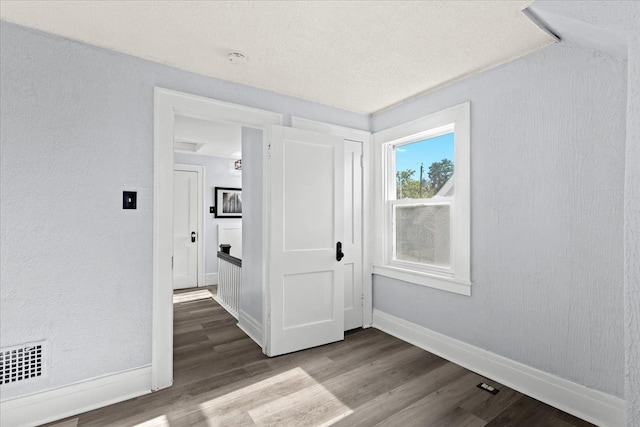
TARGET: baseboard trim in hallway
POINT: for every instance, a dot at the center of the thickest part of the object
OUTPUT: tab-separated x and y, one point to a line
55	404
251	327
211	279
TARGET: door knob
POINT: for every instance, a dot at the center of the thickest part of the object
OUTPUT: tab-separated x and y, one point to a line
339	253
193	236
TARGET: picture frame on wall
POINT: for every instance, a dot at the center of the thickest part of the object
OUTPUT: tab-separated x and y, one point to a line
228	202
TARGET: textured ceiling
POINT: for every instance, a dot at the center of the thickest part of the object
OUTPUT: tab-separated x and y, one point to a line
362	56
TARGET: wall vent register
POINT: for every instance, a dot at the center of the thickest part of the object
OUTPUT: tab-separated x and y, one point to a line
20	363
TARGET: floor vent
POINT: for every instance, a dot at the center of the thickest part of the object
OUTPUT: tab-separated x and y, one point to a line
487	387
20	363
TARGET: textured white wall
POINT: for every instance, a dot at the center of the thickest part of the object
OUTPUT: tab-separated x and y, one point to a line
547	177
622	18
252	230
219	172
632	233
76	130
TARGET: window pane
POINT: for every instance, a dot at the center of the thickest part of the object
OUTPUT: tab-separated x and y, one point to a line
422	234
424	168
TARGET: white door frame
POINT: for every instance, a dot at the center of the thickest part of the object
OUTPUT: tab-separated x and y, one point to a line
367	202
168	104
200	206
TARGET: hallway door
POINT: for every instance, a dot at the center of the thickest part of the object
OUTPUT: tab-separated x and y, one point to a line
306	272
355	278
185	227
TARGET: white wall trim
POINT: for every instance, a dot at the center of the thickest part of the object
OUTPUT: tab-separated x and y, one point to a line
211	279
351	134
226	306
266	241
424	279
591	405
168	104
251	327
368	231
62	402
200	206
458	118
162	305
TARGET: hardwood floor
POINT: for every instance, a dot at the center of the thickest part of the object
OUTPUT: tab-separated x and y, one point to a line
221	378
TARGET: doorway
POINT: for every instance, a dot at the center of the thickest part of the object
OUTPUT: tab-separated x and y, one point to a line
216	149
168	106
188	230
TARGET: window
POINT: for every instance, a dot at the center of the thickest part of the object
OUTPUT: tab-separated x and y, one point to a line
424	195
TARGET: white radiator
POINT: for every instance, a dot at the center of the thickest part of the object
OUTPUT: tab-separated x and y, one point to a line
229	282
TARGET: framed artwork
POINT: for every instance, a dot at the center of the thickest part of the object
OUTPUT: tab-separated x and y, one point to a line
228	202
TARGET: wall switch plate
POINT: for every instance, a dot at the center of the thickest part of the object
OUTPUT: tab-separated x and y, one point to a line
129	199
212	209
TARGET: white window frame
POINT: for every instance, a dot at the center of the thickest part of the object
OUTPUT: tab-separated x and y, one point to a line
457	277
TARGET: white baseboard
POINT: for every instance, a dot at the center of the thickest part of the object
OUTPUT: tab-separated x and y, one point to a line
591	405
226	306
251	327
211	279
62	402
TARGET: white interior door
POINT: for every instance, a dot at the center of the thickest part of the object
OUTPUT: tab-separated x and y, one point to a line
306	280
354	190
185	229
352	242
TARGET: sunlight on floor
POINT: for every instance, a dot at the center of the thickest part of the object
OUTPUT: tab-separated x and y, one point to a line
271	402
192	296
162	420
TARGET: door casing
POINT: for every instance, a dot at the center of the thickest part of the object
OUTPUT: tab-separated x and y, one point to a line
167	105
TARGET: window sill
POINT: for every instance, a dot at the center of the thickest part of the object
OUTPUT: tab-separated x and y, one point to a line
424	279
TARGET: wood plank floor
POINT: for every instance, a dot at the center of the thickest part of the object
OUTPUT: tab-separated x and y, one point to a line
221	378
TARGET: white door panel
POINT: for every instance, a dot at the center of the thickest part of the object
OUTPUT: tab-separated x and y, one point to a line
308	217
185	221
353	235
306	282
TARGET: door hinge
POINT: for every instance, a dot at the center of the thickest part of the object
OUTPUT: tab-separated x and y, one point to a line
269	150
361	161
268	320
172	263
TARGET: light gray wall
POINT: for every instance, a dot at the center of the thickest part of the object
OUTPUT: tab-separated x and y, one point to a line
547	185
76	130
632	230
621	18
219	172
252	230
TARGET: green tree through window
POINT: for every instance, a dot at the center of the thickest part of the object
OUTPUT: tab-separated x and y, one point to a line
407	187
